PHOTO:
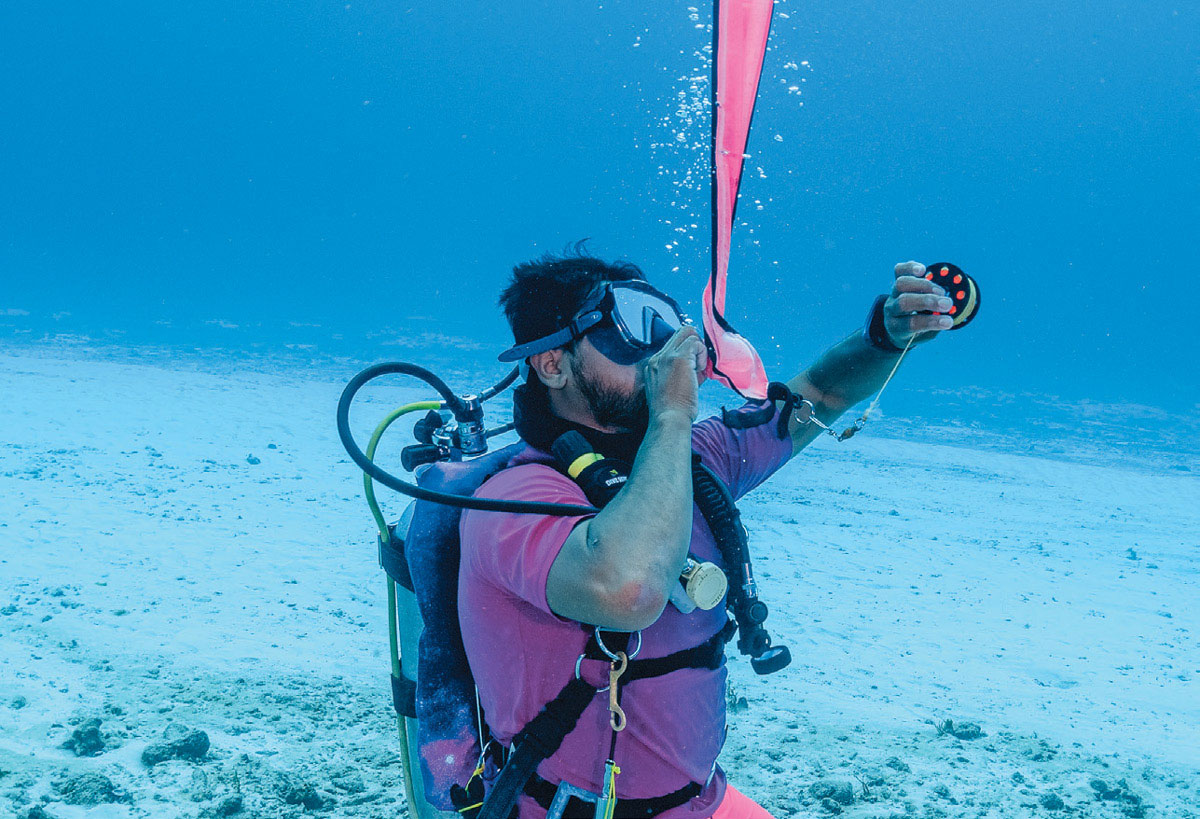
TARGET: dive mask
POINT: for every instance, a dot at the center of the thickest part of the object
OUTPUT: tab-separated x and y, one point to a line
626	321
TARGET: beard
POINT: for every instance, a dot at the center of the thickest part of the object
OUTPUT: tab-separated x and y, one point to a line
609	406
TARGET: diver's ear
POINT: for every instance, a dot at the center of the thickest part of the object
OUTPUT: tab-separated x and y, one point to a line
550	368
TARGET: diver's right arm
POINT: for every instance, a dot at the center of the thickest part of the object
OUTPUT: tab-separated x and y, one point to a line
617	569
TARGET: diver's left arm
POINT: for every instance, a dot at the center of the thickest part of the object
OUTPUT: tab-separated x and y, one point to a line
853	370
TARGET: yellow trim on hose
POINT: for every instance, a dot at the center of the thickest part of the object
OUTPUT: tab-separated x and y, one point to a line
368	484
583	462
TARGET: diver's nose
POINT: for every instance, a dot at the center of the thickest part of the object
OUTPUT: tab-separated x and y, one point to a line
660	332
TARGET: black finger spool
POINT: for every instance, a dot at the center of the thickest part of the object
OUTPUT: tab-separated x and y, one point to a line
960	288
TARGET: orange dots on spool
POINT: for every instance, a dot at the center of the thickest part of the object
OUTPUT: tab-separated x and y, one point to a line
960	289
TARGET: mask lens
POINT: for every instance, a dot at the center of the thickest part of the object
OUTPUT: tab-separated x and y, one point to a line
644	316
613	345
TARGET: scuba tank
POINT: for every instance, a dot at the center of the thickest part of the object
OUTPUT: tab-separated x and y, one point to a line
405	625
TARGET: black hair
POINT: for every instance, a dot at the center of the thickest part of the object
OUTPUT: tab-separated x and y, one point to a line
545	293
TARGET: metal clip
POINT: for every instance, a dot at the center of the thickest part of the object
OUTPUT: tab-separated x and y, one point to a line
806	414
850	431
616	715
804	411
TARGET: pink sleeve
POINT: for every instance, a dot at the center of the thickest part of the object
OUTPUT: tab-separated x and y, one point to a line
515	551
743	458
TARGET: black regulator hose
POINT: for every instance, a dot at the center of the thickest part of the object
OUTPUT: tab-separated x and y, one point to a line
455	405
724	520
504	384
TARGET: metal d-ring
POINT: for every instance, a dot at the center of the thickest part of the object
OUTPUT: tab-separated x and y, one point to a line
609	654
807	414
579	662
600	642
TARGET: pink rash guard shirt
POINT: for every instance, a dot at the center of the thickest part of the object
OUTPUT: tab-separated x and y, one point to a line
522	654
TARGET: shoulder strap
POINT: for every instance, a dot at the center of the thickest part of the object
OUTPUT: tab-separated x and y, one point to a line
540	739
747	418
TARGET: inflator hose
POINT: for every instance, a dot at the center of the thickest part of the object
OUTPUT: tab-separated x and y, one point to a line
368	484
454	404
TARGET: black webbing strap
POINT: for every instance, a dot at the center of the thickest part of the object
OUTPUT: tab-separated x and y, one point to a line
404	696
777	391
539	739
544	791
746	418
706	655
617	641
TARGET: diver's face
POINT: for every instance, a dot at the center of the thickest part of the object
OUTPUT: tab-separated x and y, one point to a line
615	393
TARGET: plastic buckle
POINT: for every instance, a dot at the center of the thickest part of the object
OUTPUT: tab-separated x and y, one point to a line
563	795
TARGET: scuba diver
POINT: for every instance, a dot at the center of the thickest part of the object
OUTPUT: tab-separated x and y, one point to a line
558	609
597	600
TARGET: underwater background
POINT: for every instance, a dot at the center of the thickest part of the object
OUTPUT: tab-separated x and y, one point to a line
212	214
337	176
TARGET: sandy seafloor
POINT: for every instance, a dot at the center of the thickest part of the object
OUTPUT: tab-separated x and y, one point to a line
1041	583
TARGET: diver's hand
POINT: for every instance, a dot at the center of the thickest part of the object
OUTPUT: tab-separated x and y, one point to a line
673	375
909	310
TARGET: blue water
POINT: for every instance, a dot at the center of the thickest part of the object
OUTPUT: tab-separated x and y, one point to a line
338	175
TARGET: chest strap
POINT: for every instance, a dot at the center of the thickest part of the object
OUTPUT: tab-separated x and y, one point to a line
708	654
543	792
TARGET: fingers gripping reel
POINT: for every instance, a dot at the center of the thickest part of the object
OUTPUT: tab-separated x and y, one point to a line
963	292
960	288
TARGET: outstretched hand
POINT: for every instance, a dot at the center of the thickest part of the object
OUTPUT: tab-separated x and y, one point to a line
916	307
